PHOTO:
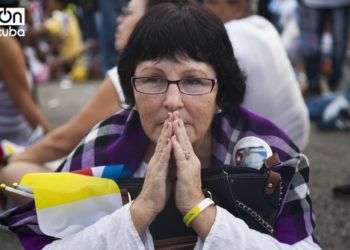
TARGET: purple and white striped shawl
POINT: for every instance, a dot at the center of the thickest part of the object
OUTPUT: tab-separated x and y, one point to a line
121	140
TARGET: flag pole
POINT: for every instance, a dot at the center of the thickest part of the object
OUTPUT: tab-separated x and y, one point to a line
16	191
22	188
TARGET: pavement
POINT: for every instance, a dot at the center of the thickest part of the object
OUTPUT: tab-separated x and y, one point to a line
329	155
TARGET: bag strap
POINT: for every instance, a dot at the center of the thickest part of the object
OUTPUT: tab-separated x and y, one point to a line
253	214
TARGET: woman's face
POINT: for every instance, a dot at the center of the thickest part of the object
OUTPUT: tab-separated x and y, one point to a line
196	111
127	21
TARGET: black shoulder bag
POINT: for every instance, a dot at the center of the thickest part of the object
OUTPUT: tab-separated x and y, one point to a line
249	194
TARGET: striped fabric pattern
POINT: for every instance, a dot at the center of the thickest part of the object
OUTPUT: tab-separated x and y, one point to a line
121	140
13	125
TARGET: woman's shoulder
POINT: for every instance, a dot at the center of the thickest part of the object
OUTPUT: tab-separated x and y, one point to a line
10	51
101	136
252	24
119	118
113	125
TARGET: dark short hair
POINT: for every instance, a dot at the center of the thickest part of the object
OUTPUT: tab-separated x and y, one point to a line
151	3
170	31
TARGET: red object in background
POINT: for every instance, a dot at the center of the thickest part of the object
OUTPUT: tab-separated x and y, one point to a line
2	156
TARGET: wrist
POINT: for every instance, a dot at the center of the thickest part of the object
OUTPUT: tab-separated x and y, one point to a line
17	157
197	210
201	217
141	214
147	206
191	204
26	156
22	156
204	222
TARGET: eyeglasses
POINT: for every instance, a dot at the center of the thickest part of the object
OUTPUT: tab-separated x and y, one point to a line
159	85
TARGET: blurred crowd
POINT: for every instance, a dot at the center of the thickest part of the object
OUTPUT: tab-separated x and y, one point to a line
69	40
315	35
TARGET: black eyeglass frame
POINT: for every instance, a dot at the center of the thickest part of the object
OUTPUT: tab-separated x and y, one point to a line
134	78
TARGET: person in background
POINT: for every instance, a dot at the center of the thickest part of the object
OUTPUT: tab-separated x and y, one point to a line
267	9
19	114
63	27
331	111
314	16
272	89
110	11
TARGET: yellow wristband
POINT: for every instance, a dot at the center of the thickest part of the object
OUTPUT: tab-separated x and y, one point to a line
196	210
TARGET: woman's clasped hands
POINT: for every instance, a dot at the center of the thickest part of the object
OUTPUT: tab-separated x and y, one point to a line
173	145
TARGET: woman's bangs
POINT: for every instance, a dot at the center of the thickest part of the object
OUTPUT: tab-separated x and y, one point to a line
174	39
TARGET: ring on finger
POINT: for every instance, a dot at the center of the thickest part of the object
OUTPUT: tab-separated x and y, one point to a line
187	155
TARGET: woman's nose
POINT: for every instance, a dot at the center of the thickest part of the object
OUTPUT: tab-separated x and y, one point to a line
173	98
